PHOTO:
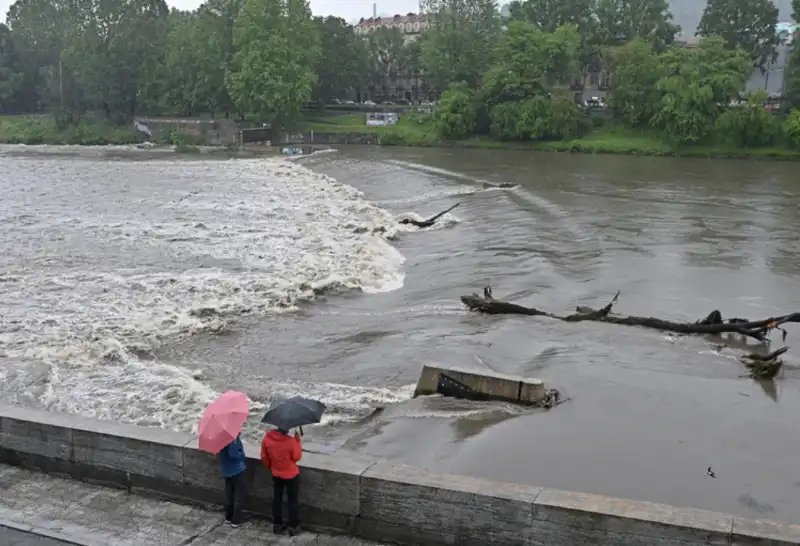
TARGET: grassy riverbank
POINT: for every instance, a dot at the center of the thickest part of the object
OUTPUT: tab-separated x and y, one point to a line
42	129
411	131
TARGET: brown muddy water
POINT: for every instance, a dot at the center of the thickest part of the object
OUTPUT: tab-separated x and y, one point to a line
138	287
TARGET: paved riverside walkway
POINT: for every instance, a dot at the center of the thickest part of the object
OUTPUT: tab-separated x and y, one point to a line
41	510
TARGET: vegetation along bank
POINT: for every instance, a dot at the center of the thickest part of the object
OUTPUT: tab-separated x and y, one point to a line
515	80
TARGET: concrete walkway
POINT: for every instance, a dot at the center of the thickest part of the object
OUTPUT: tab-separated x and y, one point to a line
41	510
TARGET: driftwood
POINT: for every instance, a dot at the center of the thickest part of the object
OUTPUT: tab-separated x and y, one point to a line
760	366
764	366
430	221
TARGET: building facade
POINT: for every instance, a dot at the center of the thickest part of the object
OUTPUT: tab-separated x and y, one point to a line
595	82
408	86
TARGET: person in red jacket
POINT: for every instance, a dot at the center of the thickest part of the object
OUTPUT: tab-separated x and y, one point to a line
280	453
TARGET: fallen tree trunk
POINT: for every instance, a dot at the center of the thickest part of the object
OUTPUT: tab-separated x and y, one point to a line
712	324
759	366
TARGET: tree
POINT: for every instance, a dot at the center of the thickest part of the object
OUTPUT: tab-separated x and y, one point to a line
191	79
10	76
548	15
277	51
744	24
38	31
620	21
699	83
387	59
530	62
455	113
456	46
111	48
637	69
750	124
791	81
343	64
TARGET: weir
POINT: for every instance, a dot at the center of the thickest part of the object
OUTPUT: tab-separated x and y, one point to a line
368	497
473	385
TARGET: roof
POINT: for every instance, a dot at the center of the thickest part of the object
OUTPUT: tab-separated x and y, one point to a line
397	19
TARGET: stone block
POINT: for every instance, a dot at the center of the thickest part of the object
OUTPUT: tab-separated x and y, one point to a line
563	518
492	386
531	391
428	380
148	452
759	532
413	506
34	432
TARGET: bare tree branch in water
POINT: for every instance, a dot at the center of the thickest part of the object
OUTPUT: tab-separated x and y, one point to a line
760	366
430	221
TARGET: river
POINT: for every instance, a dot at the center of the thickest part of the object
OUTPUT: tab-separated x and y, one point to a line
136	286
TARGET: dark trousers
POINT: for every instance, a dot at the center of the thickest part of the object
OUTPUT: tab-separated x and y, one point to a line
292	491
234	497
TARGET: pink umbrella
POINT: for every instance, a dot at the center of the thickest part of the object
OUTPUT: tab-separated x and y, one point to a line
222	421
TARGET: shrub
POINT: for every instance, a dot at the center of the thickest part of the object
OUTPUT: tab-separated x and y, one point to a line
749	125
791	128
538	118
454	118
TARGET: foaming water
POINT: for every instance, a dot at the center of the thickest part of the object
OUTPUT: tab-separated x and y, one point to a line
100	271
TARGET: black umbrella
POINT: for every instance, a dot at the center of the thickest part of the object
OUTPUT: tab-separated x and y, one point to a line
294	412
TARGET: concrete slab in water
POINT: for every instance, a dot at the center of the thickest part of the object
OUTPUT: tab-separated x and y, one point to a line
485	385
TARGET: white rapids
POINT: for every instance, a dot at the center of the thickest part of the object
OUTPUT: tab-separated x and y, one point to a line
97	273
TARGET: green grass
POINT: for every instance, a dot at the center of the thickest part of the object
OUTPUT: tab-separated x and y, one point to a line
635	142
602	140
43	130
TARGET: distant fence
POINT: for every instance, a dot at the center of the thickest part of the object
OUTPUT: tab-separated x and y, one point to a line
256	135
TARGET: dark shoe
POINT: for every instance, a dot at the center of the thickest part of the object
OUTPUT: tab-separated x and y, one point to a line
277	529
294	531
238	523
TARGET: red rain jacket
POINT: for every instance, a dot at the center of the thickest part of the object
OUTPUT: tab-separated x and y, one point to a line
280	453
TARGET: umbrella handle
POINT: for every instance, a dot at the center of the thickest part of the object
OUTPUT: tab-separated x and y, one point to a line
301	430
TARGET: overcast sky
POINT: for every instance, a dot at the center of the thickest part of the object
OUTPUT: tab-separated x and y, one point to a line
351	10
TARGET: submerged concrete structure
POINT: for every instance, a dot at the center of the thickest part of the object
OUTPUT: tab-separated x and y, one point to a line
367	497
474	385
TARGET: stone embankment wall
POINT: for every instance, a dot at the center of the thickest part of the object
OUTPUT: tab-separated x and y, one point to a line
210	132
368	497
312	137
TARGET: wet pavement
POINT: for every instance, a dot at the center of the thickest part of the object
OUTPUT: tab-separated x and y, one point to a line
10	536
41	510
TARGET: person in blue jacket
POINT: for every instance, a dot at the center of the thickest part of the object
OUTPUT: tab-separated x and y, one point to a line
232	465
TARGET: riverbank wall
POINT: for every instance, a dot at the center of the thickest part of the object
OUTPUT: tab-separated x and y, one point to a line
368	497
209	132
312	137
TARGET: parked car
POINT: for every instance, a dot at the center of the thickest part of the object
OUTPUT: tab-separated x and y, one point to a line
594	103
